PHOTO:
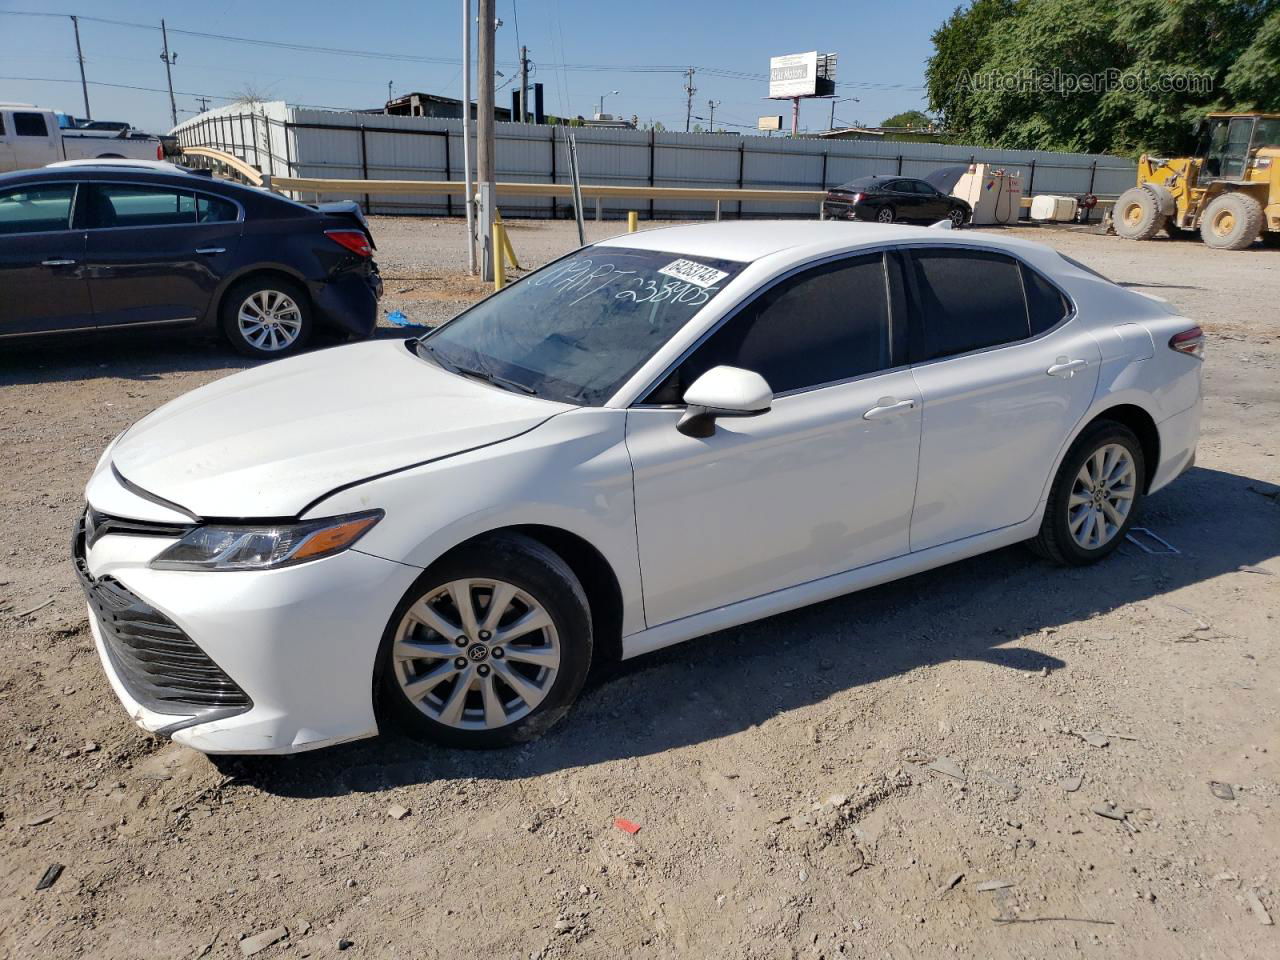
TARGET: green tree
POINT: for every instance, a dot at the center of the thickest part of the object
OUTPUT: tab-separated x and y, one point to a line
916	119
1122	75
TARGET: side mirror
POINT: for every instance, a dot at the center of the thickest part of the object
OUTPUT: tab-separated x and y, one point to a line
723	392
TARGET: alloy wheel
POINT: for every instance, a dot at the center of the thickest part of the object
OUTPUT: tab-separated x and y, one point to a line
885	215
956	217
1102	496
476	654
269	320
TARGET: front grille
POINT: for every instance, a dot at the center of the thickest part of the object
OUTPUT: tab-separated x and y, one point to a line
99	525
161	667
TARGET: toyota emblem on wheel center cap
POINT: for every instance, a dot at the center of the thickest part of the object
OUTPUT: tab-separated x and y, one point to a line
478	652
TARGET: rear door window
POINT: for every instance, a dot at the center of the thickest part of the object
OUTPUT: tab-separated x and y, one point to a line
141	205
1045	305
966	300
29	125
821	326
210	209
37	208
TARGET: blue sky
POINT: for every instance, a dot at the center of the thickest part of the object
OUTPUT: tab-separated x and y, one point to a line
580	50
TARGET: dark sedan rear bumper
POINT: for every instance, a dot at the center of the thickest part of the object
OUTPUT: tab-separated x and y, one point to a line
349	302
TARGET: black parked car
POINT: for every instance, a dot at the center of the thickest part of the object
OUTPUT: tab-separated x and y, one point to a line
890	199
112	245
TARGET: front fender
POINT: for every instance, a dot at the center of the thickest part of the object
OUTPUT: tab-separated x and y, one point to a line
572	473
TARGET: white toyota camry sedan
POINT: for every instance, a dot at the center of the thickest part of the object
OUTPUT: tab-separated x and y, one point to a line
653	438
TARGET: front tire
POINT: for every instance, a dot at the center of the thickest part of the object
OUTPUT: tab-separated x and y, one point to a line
266	317
489	648
957	217
1232	222
1094	497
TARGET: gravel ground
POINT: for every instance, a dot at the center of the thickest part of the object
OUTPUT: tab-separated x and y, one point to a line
911	771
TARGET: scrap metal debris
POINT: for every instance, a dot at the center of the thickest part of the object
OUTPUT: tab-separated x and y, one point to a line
50	876
948	768
995	885
1221	790
1258	908
1141	541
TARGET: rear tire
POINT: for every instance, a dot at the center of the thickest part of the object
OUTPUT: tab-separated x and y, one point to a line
884	215
1232	222
266	317
1100	482
1136	215
478	681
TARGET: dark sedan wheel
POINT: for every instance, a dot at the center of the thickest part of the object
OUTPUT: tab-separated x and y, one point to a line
884	215
266	317
957	217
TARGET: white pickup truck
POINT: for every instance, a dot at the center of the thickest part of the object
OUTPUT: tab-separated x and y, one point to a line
31	137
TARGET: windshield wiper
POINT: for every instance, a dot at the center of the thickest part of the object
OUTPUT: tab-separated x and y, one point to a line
494	379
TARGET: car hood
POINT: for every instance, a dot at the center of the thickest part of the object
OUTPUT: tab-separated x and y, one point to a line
270	441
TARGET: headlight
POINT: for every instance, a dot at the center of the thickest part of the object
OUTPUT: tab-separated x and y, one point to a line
265	547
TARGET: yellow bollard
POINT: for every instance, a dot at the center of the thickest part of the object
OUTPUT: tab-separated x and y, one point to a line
508	251
497	249
632	221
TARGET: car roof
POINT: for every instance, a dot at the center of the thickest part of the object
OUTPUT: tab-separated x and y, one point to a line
749	240
163	166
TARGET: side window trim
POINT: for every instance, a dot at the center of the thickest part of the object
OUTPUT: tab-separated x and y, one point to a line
897	361
916	320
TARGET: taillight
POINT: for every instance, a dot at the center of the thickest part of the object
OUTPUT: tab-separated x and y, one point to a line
159	151
353	240
856	198
1190	342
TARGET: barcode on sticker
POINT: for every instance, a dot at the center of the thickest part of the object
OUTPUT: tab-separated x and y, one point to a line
693	272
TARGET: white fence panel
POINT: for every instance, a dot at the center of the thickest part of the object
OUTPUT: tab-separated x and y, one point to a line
286	140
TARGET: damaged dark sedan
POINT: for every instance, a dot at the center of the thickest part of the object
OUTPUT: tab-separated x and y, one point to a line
102	245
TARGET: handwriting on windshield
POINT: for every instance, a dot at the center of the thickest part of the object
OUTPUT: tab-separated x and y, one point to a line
585	277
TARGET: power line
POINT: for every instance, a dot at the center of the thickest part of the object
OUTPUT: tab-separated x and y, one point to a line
718	72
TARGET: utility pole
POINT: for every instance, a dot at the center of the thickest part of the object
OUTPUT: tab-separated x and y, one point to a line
169	60
485	134
389	91
524	84
712	104
469	199
689	90
84	84
204	103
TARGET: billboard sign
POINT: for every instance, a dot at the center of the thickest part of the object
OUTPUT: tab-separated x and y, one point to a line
793	75
769	123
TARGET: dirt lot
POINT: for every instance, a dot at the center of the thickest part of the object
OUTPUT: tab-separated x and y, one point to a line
780	773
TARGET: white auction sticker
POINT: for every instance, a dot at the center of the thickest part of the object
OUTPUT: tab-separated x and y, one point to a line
696	273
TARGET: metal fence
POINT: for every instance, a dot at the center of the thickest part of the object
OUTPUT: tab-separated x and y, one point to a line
288	141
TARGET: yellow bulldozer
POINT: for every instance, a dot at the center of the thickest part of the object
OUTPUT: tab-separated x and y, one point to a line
1229	189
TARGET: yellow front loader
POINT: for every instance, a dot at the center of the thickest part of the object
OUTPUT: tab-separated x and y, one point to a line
1229	190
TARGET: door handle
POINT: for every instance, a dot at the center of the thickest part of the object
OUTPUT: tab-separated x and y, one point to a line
208	250
1066	368
887	407
57	263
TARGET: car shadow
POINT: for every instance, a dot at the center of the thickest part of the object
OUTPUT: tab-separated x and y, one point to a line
139	355
994	609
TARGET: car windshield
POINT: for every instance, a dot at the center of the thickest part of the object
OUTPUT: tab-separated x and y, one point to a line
577	329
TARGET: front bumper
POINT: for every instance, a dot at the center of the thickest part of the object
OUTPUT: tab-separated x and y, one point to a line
274	661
